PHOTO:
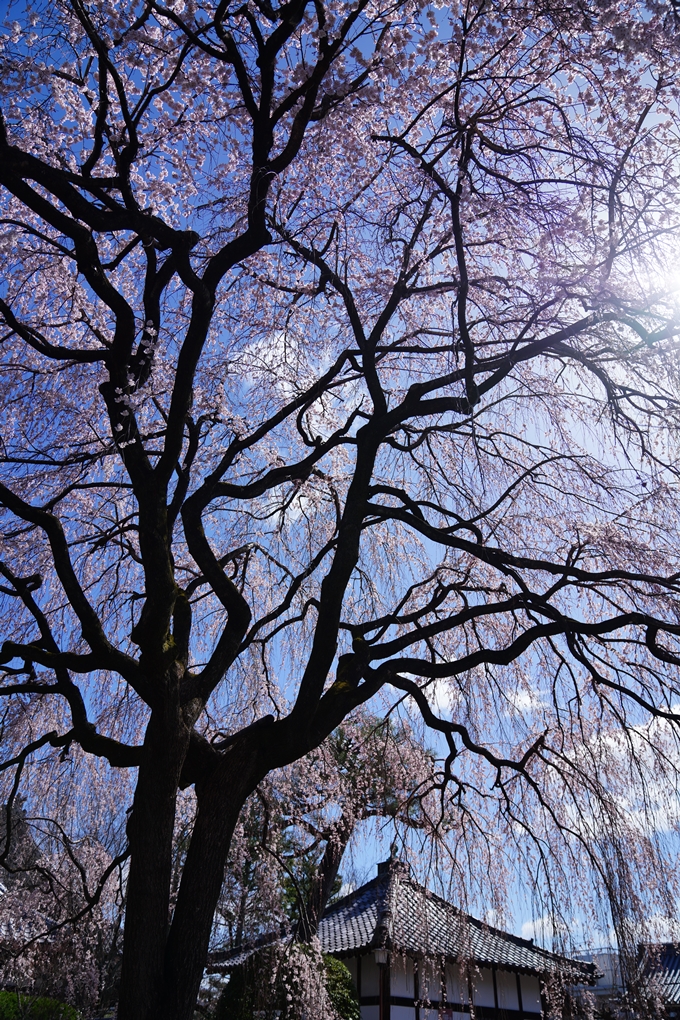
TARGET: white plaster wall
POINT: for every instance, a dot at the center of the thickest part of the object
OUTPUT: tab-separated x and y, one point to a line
456	984
401	977
506	984
402	1013
482	988
369	976
430	981
370	1012
531	993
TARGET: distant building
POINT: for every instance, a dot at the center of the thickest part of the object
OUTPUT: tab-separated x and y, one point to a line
653	981
608	984
660	966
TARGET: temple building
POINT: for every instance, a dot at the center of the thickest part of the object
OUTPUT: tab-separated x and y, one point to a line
413	956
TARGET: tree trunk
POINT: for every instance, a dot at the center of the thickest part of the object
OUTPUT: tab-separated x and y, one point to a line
221	797
323	881
150	832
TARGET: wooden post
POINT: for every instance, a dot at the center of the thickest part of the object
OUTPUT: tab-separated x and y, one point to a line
384	1010
519	996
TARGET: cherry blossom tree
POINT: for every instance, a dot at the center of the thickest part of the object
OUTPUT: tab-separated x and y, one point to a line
339	365
58	934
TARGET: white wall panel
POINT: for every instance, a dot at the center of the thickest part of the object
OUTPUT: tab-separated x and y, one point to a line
531	993
369	976
401	977
482	988
402	1013
506	983
351	965
430	980
370	1013
456	984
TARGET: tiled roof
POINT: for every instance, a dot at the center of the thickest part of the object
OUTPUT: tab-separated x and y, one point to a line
226	959
661	965
395	913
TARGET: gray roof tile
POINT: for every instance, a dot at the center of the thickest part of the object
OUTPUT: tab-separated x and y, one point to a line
661	969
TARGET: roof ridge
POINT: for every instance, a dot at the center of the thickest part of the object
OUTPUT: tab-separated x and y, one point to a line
337	904
383	931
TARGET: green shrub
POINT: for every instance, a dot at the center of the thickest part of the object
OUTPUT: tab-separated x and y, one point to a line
16	1006
341	989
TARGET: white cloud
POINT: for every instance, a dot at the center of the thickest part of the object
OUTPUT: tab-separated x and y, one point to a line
526	700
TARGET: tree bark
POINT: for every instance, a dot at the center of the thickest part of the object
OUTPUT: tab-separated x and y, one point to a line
150	832
221	797
324	879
